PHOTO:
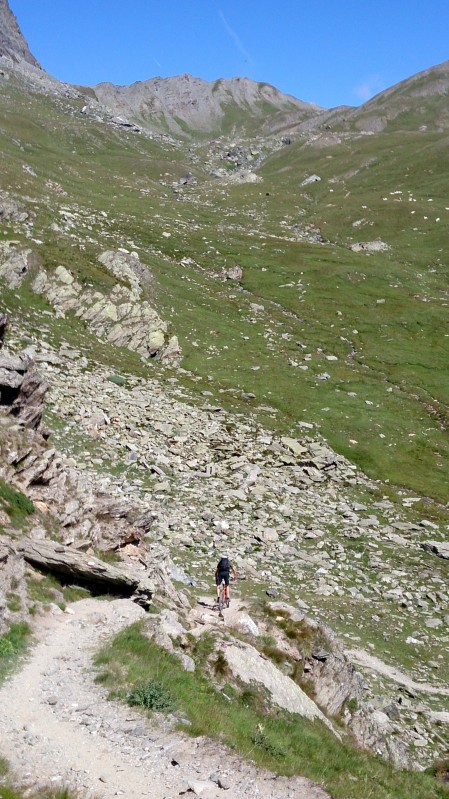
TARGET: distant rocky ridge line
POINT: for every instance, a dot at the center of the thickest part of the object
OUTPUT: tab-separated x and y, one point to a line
185	106
174	103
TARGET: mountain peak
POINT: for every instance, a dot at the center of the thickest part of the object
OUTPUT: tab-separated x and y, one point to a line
12	42
185	105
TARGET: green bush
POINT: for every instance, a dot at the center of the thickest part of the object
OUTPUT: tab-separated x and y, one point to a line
14	503
272	651
14	602
261	740
152	696
6	648
352	705
117	379
220	665
440	769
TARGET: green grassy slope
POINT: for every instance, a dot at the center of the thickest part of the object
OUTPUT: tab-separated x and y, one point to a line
382	397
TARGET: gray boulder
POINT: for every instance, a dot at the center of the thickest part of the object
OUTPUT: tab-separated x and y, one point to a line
438	548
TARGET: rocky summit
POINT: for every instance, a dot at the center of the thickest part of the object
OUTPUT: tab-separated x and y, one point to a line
12	43
222	334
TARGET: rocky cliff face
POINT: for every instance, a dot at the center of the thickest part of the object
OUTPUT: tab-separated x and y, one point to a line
12	43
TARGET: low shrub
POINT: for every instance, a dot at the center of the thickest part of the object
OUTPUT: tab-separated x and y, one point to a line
152	696
440	769
352	705
262	741
220	665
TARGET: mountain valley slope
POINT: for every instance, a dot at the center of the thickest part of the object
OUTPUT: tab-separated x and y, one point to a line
328	338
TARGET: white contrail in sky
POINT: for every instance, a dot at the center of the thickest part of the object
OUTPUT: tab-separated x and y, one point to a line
235	38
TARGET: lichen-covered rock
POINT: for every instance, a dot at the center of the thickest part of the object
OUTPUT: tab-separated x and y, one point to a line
11	210
172	352
438	548
334	678
233	273
369	246
12	574
14	264
376	732
127	268
28	406
121	317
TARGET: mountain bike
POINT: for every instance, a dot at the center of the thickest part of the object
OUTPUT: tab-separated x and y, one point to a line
223	599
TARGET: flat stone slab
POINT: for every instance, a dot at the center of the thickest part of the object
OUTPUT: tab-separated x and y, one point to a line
246	663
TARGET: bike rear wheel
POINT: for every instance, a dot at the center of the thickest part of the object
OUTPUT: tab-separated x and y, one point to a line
221	597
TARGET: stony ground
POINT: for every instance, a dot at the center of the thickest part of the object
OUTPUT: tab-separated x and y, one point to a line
58	728
287	511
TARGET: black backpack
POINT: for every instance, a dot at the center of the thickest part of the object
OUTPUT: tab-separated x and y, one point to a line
224	565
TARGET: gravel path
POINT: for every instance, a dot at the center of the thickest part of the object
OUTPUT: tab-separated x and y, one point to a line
363	658
57	727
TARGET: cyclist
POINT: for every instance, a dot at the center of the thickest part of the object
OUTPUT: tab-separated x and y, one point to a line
222	572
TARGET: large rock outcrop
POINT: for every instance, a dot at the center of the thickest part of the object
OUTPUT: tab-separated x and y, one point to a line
15	263
125	316
90	570
11	210
340	690
22	390
247	665
122	316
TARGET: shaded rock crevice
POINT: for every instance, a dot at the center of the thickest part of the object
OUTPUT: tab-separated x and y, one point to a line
22	391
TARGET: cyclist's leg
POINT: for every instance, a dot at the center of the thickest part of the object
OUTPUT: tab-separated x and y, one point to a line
222	595
217	585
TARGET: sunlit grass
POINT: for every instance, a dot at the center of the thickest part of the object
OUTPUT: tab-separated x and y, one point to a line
279	741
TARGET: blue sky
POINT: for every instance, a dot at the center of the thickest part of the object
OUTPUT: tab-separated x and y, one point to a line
331	52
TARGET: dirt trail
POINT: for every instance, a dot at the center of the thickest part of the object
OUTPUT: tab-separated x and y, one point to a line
363	658
57	727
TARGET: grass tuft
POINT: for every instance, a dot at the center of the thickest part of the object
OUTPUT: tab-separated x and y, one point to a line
15	504
12	645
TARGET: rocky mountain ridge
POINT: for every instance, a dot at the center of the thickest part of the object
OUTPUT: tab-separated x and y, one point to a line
189	107
12	42
185	103
416	103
